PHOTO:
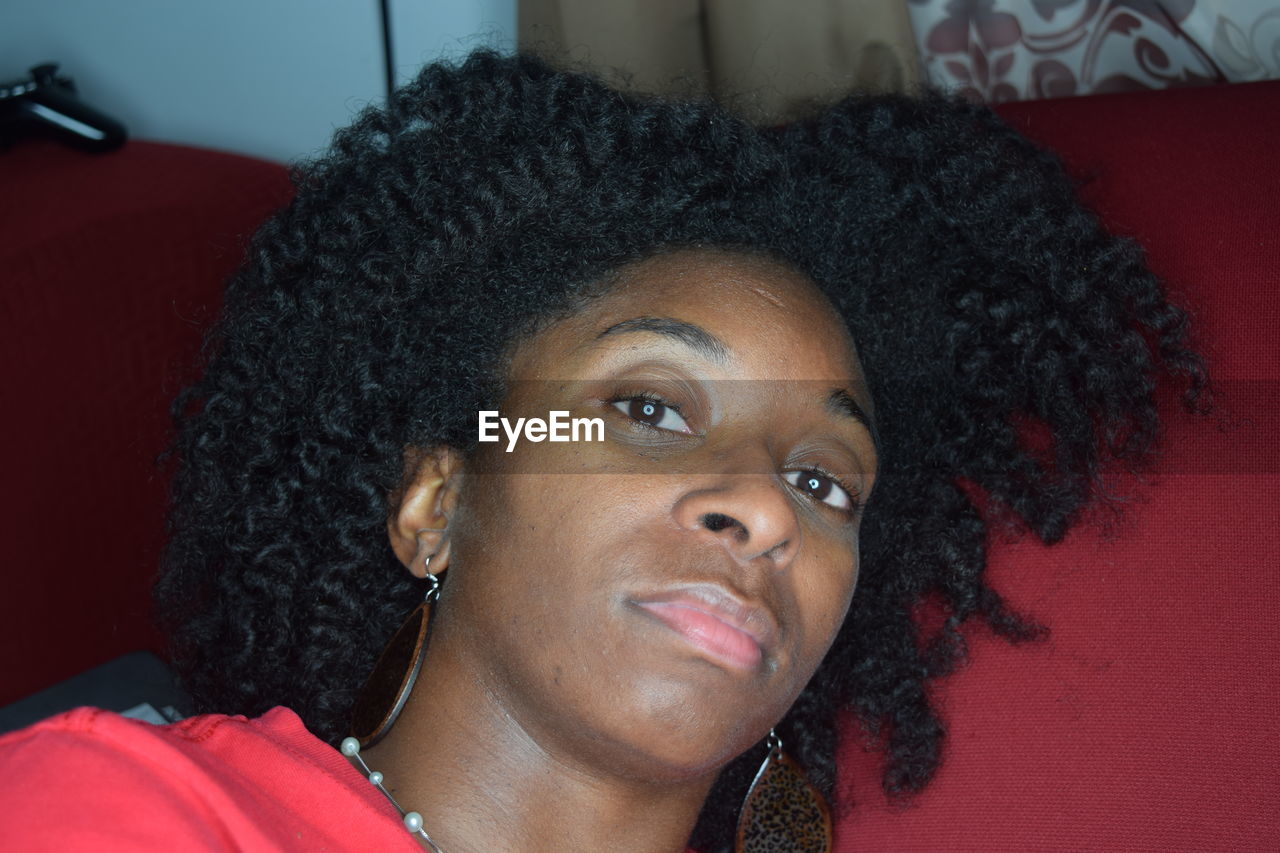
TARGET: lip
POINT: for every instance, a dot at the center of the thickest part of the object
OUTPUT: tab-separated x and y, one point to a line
725	628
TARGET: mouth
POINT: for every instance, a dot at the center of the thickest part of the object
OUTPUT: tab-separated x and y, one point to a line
722	628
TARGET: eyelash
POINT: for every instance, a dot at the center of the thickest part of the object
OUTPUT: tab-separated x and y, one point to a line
855	497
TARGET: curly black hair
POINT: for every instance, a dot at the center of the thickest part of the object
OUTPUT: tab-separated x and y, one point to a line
375	313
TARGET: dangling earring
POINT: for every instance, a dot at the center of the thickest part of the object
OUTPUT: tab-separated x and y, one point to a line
388	687
783	811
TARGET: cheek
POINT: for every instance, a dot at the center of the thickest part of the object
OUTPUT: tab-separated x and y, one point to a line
497	541
542	537
512	583
501	520
824	601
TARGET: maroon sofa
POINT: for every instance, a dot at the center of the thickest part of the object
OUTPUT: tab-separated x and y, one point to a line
1150	718
110	267
1147	721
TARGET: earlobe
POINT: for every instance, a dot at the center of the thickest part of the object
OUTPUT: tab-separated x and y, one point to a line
417	525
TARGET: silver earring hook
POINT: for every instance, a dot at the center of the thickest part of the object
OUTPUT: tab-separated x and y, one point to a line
434	591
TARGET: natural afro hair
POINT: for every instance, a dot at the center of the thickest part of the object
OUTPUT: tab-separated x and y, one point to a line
374	313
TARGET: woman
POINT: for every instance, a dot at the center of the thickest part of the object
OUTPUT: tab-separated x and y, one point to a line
769	325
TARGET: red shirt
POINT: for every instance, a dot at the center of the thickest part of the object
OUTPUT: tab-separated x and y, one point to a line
93	780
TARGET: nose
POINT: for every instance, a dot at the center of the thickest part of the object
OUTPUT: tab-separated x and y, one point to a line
749	515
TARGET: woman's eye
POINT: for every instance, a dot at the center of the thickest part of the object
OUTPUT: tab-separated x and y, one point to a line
653	413
820	486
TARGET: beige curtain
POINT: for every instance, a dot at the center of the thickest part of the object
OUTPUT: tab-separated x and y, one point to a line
767	59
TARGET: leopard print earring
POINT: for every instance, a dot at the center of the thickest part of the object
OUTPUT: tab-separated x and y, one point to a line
783	811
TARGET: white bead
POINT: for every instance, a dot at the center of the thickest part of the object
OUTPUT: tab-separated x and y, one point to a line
413	822
350	746
375	777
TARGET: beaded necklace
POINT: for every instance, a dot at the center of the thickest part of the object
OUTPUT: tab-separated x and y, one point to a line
412	820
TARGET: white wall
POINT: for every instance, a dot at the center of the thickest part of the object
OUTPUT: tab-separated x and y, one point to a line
271	78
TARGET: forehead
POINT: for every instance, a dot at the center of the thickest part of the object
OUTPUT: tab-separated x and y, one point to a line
773	321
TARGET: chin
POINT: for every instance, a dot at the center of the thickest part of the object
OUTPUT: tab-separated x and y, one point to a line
683	729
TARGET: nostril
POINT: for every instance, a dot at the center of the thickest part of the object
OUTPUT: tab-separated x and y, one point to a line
717	521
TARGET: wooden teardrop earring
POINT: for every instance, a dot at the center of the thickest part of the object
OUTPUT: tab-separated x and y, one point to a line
388	687
783	811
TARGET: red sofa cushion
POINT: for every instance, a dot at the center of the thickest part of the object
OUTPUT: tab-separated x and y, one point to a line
112	266
1148	719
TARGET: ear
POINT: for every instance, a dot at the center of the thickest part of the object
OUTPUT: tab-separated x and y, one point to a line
421	509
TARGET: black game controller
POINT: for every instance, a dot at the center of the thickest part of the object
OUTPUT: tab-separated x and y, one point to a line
46	104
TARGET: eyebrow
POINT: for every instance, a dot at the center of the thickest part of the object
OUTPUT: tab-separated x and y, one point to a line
695	337
841	402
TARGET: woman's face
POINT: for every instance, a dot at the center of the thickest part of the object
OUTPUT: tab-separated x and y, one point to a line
662	596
